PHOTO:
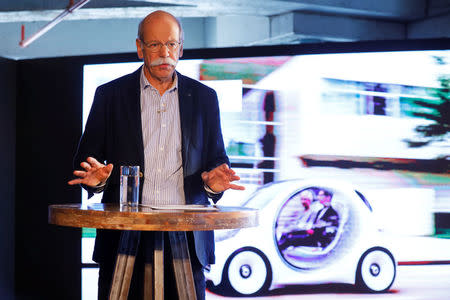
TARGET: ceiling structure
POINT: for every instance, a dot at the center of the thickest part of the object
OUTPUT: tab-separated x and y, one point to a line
110	26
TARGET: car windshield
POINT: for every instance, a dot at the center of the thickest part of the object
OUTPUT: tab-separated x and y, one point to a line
262	196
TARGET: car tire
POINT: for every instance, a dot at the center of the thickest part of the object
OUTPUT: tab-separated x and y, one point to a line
376	270
247	272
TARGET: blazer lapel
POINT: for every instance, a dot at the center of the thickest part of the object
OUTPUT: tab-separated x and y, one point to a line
186	110
132	99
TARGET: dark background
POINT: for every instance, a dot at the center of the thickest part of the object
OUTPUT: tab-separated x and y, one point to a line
40	125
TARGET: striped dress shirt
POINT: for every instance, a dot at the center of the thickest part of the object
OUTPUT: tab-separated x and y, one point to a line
161	132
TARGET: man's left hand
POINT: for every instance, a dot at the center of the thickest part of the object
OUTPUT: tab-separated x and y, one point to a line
219	179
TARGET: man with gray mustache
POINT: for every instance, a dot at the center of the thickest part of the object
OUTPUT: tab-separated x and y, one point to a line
163	61
166	123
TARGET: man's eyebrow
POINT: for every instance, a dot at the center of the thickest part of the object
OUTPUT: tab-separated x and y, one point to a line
156	41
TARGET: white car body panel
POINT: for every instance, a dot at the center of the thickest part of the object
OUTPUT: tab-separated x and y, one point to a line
340	270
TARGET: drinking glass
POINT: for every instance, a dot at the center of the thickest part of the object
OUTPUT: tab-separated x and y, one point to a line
129	186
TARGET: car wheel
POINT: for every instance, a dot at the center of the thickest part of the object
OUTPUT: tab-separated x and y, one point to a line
247	272
376	270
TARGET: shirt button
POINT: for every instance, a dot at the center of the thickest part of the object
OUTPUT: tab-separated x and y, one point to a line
162	148
163	125
159	170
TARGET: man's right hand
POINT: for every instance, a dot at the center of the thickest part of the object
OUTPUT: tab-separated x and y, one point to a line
95	173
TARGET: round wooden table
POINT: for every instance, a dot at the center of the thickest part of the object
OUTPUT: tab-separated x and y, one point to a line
132	220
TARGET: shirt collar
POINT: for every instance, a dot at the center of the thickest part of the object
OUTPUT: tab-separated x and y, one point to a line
145	84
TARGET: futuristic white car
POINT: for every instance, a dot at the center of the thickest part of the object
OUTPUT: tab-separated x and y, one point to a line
331	239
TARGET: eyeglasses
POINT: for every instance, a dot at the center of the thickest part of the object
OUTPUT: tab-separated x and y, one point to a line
156	46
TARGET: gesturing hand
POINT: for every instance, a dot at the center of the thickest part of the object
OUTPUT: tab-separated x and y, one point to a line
219	179
94	173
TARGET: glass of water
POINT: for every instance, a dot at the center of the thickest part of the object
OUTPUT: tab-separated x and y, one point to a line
129	186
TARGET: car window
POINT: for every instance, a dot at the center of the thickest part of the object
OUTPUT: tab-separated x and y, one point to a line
307	226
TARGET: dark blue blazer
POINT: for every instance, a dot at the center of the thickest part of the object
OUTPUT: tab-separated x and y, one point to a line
113	134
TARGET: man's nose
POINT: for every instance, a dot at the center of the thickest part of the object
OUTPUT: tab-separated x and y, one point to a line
164	51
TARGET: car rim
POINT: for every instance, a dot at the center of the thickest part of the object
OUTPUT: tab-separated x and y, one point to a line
247	272
377	270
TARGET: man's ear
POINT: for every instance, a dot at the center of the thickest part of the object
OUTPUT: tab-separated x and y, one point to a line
140	53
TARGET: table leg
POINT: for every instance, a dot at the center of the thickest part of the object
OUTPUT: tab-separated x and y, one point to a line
126	255
148	276
154	270
182	265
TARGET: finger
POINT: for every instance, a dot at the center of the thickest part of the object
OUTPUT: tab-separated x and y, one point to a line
79	173
75	181
224	174
237	187
223	171
224	166
94	162
109	168
85	166
204	176
228	172
105	172
231	171
235	177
